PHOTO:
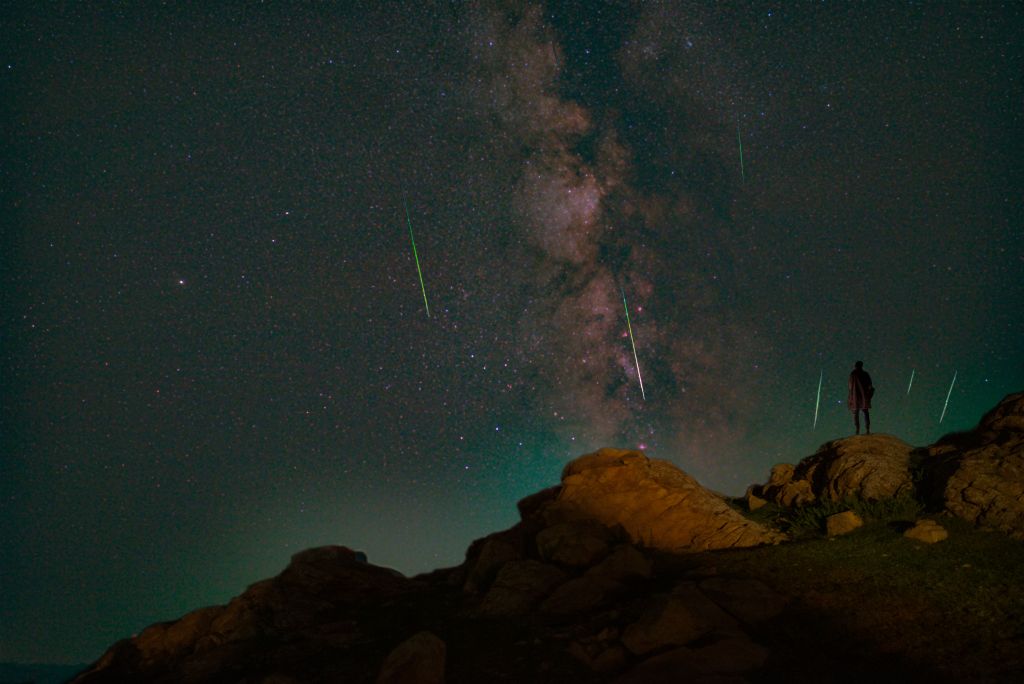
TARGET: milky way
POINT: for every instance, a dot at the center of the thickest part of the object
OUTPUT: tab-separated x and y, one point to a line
216	349
595	231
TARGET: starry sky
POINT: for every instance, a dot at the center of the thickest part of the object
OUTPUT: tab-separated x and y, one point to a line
215	346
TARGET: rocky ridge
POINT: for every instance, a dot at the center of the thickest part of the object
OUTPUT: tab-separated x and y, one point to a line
609	576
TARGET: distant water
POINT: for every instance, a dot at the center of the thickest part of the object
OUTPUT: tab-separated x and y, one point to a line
17	673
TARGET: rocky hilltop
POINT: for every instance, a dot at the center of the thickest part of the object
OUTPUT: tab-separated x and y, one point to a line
630	571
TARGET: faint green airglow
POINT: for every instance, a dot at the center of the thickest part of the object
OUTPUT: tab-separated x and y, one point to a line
416	256
632	342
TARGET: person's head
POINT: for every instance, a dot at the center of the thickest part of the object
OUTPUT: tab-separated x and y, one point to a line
858	365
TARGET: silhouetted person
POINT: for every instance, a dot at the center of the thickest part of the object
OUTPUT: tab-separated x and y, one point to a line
859	398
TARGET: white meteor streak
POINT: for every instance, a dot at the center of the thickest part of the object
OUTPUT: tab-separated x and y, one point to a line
817	403
944	406
911	383
631	341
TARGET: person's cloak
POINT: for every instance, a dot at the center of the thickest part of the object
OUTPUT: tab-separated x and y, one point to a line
860	390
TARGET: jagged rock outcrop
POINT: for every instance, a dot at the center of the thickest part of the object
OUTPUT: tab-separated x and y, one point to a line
310	600
656	504
979	475
868	467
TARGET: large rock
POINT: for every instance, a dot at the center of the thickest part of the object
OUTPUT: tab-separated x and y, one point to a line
927	531
676	620
842	523
578	544
869	467
315	589
979	475
655	503
496	551
625	562
748	600
417	660
579	594
520	585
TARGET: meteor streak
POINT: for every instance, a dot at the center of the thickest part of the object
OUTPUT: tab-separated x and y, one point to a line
743	173
947	397
416	256
817	403
631	341
911	384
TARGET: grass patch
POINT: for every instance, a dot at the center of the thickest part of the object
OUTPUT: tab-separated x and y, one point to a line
958	603
805	522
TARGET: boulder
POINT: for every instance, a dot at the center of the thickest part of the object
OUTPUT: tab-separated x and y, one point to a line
870	467
519	586
577	544
169	640
927	531
748	600
625	562
675	620
796	493
780	475
755	502
494	553
670	622
656	504
578	594
981	472
842	523
529	505
417	660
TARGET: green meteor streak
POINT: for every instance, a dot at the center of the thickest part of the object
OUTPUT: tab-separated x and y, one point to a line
632	342
817	403
743	173
911	383
946	405
416	256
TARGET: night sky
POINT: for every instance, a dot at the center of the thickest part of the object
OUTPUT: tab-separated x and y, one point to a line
215	348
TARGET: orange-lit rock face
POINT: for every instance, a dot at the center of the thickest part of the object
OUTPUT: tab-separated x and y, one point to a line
985	469
842	523
869	467
654	502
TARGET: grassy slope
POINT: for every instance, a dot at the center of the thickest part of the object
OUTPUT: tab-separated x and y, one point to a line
955	607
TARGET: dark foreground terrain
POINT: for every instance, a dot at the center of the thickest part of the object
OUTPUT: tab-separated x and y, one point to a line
870	560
